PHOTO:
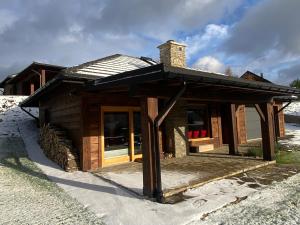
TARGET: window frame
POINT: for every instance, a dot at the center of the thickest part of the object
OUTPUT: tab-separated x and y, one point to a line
207	119
118	159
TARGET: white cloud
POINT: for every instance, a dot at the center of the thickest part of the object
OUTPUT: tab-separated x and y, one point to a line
209	63
213	33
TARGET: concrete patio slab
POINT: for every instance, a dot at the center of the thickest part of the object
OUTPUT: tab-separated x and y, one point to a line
180	174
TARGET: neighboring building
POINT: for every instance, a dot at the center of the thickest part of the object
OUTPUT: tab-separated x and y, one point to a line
30	79
248	120
121	108
7	89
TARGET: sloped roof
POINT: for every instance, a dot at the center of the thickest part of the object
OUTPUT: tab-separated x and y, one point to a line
248	75
2	83
110	65
34	65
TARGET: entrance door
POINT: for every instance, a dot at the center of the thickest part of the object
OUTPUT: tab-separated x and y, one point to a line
120	134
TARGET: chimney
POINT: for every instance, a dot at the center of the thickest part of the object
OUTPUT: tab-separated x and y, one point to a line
172	54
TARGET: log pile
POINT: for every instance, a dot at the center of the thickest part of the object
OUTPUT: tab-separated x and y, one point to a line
58	148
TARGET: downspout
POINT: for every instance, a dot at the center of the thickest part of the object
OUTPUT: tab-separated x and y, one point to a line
30	114
157	122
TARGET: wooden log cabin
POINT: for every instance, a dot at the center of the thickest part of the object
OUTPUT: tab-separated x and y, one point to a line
30	79
121	108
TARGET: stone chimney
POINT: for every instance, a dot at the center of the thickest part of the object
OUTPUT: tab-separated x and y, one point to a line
172	54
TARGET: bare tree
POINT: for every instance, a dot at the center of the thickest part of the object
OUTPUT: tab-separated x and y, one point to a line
228	71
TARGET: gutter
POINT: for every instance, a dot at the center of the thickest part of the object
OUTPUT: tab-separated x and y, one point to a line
30	114
157	122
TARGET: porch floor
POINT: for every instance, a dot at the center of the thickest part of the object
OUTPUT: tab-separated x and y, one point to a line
180	174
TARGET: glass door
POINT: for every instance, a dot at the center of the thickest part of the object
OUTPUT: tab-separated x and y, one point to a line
120	134
116	134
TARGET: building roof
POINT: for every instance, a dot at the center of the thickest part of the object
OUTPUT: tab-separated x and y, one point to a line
2	83
110	65
34	66
248	75
159	72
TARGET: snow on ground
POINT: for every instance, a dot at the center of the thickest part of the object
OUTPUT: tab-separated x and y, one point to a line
293	109
276	204
28	197
10	113
116	205
294	130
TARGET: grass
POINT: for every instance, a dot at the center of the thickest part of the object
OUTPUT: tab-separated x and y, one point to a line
284	157
283	154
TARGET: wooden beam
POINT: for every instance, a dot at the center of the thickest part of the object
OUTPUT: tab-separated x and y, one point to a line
31	88
260	112
199	94
149	111
267	131
43	77
85	161
232	130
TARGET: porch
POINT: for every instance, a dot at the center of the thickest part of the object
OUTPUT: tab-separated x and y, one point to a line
182	109
181	174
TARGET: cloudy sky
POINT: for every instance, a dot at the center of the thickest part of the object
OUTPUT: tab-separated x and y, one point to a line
261	36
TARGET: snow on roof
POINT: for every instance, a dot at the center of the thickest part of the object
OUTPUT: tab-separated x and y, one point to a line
111	65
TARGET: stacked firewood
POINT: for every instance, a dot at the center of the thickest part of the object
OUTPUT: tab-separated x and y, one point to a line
58	147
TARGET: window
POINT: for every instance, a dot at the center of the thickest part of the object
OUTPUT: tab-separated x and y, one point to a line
116	134
120	134
197	123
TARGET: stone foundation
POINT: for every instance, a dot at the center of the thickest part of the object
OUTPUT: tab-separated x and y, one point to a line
58	148
176	126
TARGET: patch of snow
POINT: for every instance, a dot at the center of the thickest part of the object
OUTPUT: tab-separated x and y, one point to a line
276	204
293	109
10	113
294	130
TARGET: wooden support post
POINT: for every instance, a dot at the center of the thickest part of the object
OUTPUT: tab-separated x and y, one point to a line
31	88
149	111
232	130
43	78
267	131
85	151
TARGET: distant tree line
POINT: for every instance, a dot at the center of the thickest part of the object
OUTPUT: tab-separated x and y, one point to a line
295	83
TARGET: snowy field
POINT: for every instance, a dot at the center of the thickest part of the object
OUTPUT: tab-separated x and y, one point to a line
214	203
293	109
294	130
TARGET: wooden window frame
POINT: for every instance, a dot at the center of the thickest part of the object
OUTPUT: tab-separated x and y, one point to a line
118	159
195	107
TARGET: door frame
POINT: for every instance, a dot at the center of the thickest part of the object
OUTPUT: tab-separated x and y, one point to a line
118	159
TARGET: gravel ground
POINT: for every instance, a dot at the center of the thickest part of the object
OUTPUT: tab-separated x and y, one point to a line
28	197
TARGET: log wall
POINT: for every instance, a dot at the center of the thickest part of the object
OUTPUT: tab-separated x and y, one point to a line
63	109
91	130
